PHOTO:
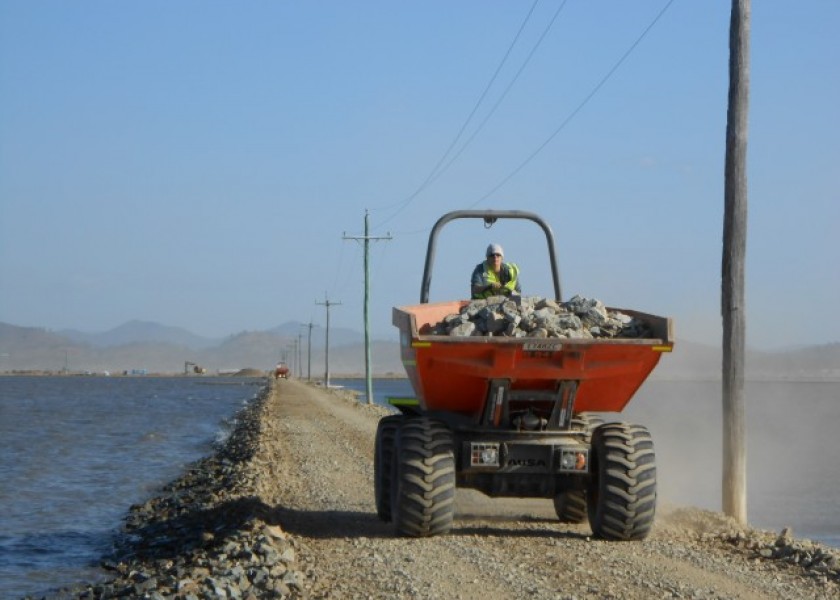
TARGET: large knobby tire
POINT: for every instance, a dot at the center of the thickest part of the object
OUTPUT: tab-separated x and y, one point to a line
570	505
621	496
587	421
423	482
383	453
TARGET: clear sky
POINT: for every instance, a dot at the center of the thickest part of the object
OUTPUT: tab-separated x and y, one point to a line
198	163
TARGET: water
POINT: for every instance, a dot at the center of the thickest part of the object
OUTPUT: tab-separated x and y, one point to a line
76	452
793	447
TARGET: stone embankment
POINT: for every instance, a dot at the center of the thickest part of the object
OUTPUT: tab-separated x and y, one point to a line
285	510
207	534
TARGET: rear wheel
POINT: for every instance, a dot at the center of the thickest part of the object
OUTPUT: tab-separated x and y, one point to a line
423	484
588	422
622	490
383	454
570	505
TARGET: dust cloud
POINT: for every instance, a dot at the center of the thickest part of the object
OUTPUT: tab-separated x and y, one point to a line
793	475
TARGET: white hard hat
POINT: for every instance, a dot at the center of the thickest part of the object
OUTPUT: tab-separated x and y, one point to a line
495	249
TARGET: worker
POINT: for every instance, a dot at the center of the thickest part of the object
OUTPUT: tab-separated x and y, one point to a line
494	277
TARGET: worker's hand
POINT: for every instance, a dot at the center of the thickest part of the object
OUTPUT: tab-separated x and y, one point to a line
495	285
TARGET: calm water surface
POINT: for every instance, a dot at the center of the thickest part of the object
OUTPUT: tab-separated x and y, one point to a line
76	452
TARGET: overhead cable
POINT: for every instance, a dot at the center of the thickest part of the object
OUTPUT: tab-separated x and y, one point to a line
577	109
503	95
432	174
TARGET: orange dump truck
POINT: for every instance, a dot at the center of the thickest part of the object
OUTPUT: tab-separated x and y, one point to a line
517	417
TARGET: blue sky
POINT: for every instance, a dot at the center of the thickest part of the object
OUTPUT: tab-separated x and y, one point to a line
199	163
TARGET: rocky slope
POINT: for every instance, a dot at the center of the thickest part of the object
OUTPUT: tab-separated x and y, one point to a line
285	510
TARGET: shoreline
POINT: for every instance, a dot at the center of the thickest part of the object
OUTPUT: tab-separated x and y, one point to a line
209	534
204	534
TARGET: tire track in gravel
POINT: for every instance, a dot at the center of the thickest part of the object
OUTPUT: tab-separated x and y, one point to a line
317	448
324	448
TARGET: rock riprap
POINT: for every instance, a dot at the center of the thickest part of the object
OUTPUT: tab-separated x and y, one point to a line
206	535
533	316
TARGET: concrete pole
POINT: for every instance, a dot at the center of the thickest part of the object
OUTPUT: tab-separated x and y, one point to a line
366	238
327	304
309	353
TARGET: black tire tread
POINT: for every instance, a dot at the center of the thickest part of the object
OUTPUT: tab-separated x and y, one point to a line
623	489
382	458
425	468
570	506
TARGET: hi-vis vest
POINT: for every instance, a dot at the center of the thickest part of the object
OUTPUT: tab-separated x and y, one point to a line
508	277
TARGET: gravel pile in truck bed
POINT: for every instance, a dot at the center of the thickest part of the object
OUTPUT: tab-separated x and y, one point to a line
533	316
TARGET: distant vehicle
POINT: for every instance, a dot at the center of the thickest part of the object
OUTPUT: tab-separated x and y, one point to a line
197	369
281	371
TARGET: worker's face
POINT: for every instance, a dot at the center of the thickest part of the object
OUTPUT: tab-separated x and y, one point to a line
495	261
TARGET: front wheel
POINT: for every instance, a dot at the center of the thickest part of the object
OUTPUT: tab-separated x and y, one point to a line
570	506
383	454
622	489
423	482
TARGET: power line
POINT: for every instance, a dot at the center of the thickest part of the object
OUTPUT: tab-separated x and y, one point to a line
504	93
432	174
578	109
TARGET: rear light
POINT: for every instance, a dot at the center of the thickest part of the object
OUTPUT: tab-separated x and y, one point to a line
484	455
574	460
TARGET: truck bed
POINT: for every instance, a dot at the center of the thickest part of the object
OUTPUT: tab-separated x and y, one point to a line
453	374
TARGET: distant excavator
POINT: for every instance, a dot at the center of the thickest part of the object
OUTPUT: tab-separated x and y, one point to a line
197	369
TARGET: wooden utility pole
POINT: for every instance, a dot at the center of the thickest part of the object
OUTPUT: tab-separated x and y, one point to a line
367	239
327	304
733	307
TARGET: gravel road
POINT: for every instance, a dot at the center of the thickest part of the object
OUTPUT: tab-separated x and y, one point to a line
285	509
316	447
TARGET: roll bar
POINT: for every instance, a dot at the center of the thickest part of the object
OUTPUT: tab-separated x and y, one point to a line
489	217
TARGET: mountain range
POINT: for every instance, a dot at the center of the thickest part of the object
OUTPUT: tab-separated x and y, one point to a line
152	347
140	345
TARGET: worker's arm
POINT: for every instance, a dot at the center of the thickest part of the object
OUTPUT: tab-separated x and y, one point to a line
479	290
512	286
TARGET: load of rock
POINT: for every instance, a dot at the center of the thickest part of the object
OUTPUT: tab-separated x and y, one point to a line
533	316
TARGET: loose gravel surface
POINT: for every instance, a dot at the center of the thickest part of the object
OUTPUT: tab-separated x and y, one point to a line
287	511
318	447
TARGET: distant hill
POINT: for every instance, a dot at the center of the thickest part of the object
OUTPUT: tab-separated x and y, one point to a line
698	361
166	350
140	331
339	336
157	348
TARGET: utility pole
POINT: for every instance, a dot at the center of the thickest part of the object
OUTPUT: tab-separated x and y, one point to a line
309	352
733	309
367	238
292	347
327	304
300	362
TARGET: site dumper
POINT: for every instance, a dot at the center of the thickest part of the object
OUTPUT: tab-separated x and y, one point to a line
517	417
